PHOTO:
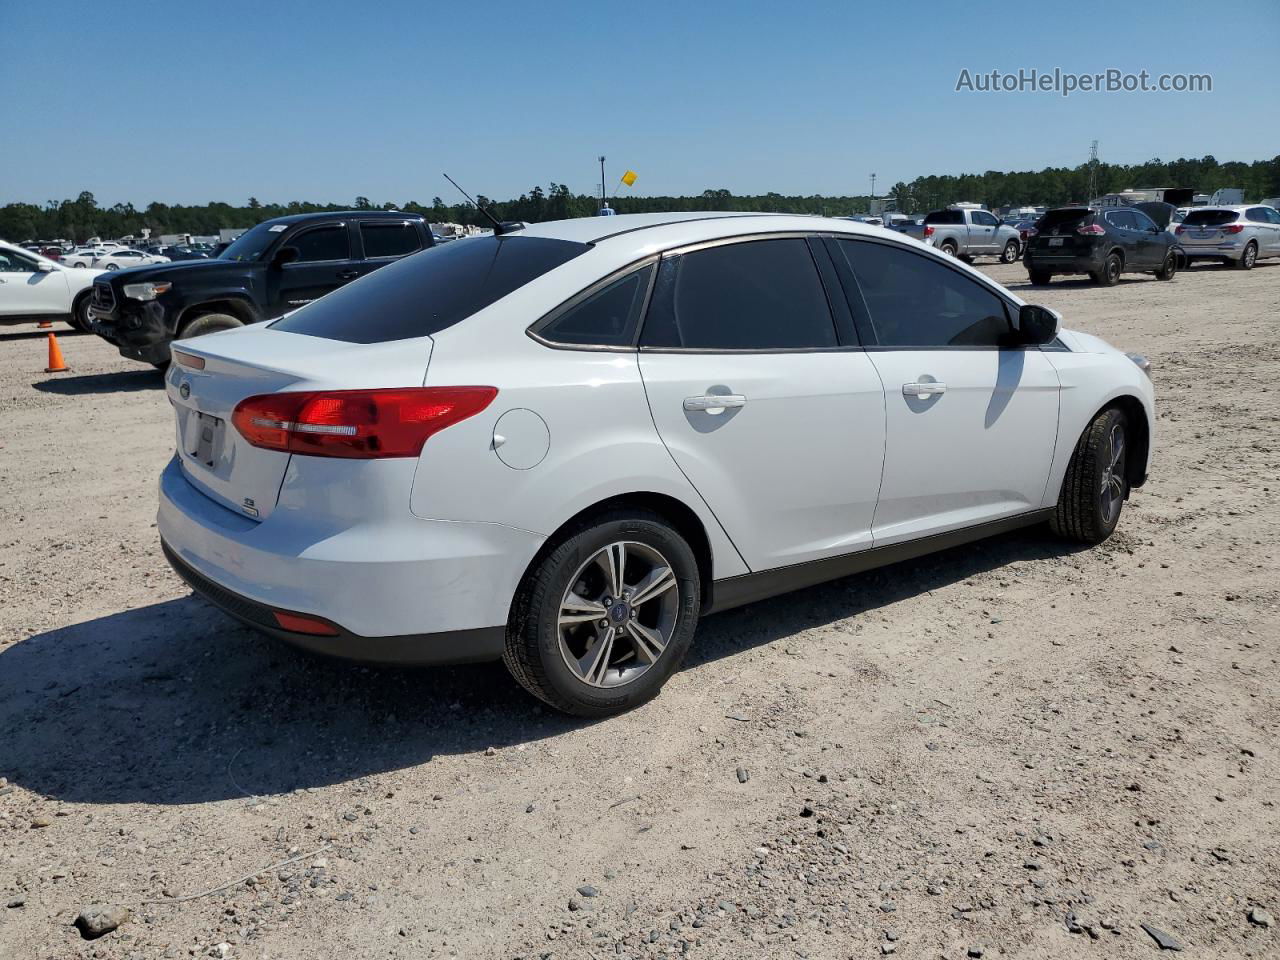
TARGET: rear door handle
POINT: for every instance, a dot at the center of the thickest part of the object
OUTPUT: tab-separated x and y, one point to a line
923	389
348	274
714	405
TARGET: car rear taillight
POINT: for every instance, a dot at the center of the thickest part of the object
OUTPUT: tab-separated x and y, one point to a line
1180	229
1091	230
359	424
1233	228
928	231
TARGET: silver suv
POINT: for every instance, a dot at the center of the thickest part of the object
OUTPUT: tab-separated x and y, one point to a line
1240	236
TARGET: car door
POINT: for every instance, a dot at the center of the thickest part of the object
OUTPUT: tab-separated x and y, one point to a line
1153	242
762	397
1268	234
26	291
324	263
982	233
971	419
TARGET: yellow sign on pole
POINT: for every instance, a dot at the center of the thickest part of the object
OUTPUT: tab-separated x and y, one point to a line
629	177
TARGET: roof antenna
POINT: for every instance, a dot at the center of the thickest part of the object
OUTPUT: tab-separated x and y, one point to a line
499	227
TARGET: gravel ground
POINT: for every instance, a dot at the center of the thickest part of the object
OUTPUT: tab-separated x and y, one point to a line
1014	749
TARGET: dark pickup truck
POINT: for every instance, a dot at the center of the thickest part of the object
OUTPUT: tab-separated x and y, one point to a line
274	268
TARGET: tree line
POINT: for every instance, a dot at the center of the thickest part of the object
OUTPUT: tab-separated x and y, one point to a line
82	217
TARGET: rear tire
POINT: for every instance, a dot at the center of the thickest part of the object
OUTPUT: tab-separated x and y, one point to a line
208	323
949	248
1096	484
1010	252
1109	275
550	645
1248	258
1170	268
1039	278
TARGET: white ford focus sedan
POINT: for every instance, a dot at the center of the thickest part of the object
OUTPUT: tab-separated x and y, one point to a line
561	445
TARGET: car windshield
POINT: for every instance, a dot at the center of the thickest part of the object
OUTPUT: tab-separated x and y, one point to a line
252	244
1209	218
429	291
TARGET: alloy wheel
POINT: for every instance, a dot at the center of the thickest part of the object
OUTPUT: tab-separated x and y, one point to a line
618	614
1111	495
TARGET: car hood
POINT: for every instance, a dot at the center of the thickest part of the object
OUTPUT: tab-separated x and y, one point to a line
1086	342
176	269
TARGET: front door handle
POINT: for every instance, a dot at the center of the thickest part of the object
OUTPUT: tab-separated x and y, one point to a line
921	390
714	405
348	274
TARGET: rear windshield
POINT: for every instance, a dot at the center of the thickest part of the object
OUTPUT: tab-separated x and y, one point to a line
429	291
1209	218
945	216
1067	215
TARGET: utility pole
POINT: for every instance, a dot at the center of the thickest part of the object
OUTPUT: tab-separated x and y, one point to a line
602	199
871	205
1093	172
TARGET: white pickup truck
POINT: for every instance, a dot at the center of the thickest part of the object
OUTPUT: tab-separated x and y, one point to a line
966	233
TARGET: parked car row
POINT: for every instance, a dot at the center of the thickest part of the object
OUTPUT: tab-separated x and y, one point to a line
1106	242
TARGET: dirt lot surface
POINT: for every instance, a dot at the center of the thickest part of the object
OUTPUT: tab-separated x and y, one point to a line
1014	749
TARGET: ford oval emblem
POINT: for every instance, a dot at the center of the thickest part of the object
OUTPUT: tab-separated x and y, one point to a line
184	391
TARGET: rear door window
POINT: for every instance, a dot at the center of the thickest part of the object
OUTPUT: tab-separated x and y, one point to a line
916	301
322	243
422	295
754	295
389	239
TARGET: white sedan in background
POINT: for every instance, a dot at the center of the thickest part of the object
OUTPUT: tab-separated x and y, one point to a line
120	259
35	288
559	446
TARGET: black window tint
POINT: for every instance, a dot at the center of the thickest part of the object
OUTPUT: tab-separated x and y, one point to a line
916	301
758	295
422	295
607	318
389	239
1256	214
945	216
1142	221
1209	218
322	243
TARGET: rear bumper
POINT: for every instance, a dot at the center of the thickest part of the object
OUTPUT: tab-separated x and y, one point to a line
1217	251
418	591
1090	262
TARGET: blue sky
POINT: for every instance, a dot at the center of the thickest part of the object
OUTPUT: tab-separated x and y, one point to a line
192	102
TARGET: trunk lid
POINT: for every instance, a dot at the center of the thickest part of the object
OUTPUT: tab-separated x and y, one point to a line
255	359
1204	227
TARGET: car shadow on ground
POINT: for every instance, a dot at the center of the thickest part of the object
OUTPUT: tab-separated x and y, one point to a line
128	382
173	703
61	329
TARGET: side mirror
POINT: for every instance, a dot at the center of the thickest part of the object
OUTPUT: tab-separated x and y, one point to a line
43	266
284	255
1038	325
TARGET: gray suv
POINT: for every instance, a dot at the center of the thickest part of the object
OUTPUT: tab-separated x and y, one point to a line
1239	236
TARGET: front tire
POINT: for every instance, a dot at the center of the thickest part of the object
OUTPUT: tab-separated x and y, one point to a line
579	646
1248	258
1170	268
209	323
80	313
1010	252
1096	484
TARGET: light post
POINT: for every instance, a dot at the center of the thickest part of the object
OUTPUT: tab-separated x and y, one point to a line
871	205
602	188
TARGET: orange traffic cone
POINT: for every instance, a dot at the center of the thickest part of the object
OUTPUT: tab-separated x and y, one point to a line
56	363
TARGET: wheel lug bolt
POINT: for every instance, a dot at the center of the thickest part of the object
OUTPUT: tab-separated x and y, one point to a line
604	623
